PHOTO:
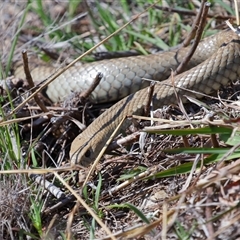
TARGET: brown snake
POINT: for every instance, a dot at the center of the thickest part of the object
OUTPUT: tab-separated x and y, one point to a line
216	62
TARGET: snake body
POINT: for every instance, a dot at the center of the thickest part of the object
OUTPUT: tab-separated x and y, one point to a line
218	69
121	76
214	63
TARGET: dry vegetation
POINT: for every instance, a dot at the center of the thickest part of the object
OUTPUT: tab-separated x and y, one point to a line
146	191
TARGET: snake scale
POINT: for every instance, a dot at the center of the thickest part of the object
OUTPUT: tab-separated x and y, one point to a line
214	63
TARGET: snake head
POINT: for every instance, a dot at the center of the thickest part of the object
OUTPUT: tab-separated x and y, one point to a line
83	150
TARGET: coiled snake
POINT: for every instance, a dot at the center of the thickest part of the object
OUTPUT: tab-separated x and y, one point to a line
214	63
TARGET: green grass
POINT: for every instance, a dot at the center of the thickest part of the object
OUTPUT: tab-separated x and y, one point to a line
182	233
35	215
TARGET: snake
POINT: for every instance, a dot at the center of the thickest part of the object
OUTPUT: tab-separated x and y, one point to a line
214	63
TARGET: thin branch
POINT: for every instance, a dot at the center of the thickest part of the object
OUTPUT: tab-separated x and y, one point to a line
31	83
195	26
123	141
197	39
194	13
150	97
84	95
62	202
55	191
236	12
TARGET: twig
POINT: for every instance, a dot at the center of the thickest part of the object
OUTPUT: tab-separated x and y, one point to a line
180	103
130	181
197	39
232	28
31	83
52	108
70	220
55	191
84	95
60	204
236	12
84	204
179	100
195	26
123	141
150	96
193	13
51	224
102	152
209	213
